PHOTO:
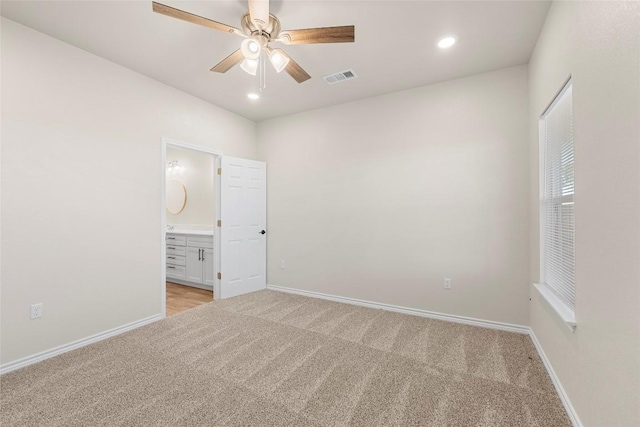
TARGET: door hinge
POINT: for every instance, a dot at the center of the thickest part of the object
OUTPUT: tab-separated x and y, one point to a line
219	276
219	223
219	171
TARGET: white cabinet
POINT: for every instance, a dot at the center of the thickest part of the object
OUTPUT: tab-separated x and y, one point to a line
190	260
175	258
194	265
207	267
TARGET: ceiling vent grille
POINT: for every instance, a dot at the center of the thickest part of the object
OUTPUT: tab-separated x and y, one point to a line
342	76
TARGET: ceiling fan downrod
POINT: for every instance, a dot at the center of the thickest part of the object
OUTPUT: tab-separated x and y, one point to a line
262	73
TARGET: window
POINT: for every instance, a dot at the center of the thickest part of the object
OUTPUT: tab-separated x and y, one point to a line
556	202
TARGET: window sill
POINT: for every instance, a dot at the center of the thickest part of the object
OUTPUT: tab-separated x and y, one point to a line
567	315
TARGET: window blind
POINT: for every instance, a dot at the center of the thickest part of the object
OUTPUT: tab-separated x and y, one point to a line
557	209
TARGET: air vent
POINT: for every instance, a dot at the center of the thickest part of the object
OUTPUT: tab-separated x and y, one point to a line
340	77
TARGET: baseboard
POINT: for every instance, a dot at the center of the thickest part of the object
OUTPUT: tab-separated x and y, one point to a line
38	357
571	412
406	310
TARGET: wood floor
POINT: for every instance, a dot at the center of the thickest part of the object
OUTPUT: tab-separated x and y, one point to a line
181	298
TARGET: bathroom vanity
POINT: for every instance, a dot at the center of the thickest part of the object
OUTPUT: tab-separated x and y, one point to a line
190	258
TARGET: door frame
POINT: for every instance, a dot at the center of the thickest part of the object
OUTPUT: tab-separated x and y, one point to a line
164	143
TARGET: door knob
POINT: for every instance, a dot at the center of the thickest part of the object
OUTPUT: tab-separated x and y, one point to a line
262	232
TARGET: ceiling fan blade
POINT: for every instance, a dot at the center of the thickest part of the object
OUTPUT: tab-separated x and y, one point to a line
344	34
227	63
295	70
259	12
195	19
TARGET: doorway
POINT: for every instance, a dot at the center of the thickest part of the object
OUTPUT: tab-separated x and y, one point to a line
190	212
213	226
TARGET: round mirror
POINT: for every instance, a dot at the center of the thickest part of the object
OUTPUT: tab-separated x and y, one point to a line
176	196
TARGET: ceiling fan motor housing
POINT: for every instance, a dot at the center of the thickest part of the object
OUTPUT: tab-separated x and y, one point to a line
269	32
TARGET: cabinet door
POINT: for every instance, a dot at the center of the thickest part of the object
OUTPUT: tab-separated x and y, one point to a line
194	265
207	267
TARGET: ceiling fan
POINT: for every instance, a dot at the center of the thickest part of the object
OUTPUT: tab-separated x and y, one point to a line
259	28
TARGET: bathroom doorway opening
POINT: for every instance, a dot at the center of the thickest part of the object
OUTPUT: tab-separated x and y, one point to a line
190	232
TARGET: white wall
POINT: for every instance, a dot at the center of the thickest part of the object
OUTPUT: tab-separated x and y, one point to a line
195	172
383	198
598	44
81	187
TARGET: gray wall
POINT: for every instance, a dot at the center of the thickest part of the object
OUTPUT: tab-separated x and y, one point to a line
598	44
81	187
383	198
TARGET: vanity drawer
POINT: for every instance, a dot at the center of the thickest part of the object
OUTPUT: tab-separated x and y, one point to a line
176	272
175	250
176	239
200	241
176	260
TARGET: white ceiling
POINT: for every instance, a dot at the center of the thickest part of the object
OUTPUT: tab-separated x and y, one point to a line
394	48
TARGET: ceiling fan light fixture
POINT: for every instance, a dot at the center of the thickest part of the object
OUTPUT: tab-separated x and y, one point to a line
446	42
250	66
278	59
253	96
250	48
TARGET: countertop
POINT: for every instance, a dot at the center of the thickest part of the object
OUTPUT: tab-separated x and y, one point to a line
191	232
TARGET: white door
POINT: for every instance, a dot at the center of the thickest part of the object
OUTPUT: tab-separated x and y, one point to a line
243	200
194	265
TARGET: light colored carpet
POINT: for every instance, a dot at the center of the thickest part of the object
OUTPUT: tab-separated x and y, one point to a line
275	359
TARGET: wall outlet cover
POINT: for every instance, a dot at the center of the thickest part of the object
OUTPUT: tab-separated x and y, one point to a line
36	311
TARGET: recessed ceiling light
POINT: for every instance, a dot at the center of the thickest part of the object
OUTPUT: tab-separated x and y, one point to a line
253	96
446	42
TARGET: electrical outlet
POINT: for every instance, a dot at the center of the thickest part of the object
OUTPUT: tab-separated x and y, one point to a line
282	264
36	311
447	283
